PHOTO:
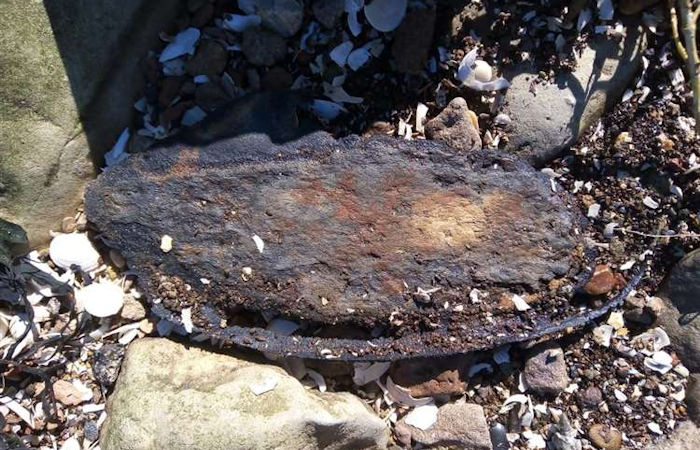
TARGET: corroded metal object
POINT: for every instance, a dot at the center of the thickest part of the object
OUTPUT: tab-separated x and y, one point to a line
377	249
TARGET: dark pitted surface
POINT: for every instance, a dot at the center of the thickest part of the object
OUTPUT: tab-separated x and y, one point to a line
378	238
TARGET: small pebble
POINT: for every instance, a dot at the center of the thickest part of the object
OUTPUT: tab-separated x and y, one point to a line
604	437
91	431
602	281
68	225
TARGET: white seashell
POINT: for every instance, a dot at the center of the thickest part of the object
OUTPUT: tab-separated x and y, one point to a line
593	210
183	44
422	417
482	71
192	116
118	153
386	15
352	7
76	249
326	110
259	243
340	53
650	202
358	57
338	95
282	327
71	444
402	395
520	303
655	428
166	243
367	372
4	326
660	362
101	299
237	23
603	335
421	113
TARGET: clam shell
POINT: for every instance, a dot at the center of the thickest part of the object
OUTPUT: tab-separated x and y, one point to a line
386	15
101	299
71	249
482	71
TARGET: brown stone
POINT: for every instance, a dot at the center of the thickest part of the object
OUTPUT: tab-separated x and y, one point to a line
327	12
455	125
66	393
545	371
169	90
592	396
602	281
428	377
263	48
172	114
210	96
277	79
605	437
210	59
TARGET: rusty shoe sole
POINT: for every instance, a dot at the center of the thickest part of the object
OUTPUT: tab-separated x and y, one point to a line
371	249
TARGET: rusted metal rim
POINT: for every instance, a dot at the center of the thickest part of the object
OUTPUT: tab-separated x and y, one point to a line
391	349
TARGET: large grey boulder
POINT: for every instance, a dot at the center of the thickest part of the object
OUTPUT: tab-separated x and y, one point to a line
172	397
685	437
69	78
681	317
457	426
549	117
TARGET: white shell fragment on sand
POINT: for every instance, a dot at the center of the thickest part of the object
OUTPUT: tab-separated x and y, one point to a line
650	202
166	243
603	335
238	23
118	153
386	15
367	372
259	243
421	113
520	303
101	299
74	249
183	44
192	116
326	110
352	7
660	362
340	53
423	417
466	73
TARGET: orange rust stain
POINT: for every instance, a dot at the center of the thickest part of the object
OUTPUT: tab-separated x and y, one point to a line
186	164
445	220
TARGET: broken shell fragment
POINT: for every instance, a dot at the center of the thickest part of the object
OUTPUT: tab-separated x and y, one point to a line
183	44
74	249
386	15
166	243
101	299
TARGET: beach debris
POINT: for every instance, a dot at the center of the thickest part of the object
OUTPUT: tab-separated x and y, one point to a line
74	250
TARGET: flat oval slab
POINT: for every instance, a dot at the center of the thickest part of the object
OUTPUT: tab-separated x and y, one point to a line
367	239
